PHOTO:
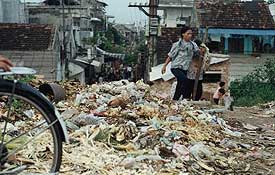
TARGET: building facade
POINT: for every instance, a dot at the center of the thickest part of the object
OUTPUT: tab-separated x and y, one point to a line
83	18
176	13
12	11
238	27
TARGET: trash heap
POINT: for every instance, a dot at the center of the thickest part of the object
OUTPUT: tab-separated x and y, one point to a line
125	128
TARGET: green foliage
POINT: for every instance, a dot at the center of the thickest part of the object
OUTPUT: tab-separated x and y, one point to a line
112	41
271	1
16	104
27	78
24	78
257	87
132	58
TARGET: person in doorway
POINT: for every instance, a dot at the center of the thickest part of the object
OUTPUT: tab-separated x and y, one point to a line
129	72
194	68
219	93
181	55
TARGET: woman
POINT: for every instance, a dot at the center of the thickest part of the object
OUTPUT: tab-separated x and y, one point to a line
194	68
181	56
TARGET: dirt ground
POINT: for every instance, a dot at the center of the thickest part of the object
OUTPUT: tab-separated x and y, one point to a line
262	159
241	64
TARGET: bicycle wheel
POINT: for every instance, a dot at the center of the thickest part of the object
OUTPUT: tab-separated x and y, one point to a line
31	138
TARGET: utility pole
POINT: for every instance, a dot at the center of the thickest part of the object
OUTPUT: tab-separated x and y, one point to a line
153	33
64	60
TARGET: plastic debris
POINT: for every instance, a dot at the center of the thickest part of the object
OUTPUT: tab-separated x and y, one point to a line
127	128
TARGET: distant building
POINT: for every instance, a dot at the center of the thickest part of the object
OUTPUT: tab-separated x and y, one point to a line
12	11
83	18
128	31
176	13
238	27
35	46
233	27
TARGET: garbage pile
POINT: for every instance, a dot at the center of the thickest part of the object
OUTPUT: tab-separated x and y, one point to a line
125	128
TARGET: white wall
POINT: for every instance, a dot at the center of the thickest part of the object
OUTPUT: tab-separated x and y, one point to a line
171	15
272	10
1	12
12	11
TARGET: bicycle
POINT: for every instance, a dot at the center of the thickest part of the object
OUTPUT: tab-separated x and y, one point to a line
32	130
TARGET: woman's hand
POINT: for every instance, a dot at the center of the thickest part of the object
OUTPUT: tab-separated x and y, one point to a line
163	70
5	63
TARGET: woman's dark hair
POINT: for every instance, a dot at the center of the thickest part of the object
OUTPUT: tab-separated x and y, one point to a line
184	29
222	84
222	91
198	42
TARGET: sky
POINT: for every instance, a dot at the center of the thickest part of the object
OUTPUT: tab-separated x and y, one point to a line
121	11
124	14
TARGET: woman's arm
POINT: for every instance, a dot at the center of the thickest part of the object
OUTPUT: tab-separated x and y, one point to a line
167	61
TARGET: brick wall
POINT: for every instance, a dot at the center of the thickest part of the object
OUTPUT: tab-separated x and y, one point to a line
165	41
44	62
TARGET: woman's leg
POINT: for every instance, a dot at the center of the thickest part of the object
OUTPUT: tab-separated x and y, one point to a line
189	89
199	91
181	82
216	100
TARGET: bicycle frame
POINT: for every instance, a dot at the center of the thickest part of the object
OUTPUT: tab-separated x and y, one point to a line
29	89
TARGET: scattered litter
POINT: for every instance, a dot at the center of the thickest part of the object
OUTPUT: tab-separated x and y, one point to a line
126	128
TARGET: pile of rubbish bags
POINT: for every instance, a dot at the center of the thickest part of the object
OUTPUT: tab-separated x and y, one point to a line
126	128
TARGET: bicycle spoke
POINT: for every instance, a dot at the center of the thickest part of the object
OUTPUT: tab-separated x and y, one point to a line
25	133
16	170
17	149
31	140
8	116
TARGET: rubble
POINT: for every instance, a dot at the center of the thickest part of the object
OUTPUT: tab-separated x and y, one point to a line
127	128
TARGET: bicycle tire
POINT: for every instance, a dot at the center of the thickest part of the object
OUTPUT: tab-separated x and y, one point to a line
22	91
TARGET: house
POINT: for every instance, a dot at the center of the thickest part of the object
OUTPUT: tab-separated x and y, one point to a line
35	46
12	11
128	31
176	13
83	17
237	27
31	46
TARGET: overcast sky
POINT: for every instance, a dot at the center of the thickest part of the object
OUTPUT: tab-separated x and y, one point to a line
119	9
124	14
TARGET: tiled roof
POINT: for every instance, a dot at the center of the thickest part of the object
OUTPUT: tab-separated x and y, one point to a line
26	37
241	15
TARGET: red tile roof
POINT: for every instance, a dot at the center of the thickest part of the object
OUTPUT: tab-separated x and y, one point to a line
241	15
26	37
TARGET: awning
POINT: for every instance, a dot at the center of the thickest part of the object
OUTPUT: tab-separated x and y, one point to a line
85	61
257	32
112	55
95	20
75	69
102	2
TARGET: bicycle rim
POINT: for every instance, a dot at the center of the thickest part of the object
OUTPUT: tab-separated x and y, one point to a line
36	145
